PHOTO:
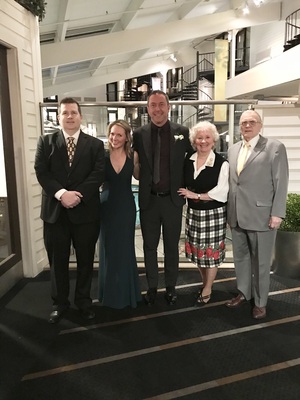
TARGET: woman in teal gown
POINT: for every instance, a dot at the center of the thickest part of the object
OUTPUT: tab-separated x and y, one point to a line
118	274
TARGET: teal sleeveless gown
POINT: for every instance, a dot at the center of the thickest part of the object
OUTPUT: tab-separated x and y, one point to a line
118	274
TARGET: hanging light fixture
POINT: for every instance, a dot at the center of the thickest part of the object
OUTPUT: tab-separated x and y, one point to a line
246	10
173	57
258	3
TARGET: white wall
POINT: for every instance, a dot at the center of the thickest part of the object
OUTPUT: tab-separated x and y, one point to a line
98	93
281	70
266	42
19	31
288	7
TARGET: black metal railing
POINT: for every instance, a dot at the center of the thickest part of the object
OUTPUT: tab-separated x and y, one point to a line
292	30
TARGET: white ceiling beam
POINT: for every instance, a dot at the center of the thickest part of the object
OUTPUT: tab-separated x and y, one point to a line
130	12
95	64
54	71
135	57
121	25
153	36
61	29
63	20
184	10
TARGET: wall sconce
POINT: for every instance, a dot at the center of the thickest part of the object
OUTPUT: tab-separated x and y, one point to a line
173	57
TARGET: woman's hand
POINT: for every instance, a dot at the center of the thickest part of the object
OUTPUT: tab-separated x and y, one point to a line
187	194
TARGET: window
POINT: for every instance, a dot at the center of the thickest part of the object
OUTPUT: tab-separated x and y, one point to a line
10	247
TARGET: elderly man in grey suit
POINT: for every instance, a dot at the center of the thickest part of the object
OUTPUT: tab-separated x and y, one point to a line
161	146
256	205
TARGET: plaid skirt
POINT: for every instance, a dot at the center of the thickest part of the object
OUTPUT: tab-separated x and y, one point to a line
205	236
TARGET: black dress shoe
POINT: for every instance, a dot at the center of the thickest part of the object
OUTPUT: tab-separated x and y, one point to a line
171	297
57	313
150	297
87	313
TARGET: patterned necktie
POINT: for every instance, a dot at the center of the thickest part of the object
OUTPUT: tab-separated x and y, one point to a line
243	156
156	160
71	149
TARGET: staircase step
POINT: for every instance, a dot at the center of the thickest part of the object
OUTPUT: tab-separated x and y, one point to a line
287	47
293	42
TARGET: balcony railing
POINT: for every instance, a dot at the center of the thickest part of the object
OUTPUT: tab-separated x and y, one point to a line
292	30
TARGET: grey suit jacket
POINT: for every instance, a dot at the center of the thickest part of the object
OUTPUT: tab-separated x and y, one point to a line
260	190
180	145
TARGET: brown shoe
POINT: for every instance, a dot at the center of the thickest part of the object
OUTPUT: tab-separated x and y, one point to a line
236	301
259	312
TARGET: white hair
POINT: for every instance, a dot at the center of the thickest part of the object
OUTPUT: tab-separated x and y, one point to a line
203	126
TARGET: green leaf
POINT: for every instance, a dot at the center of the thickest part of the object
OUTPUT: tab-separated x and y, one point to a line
36	7
291	223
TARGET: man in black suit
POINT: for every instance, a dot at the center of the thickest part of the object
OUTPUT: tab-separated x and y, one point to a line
70	206
161	146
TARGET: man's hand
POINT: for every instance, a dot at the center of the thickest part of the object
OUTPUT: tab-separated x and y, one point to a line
71	199
274	222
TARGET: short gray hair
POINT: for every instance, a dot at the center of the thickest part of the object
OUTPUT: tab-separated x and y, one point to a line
253	113
204	126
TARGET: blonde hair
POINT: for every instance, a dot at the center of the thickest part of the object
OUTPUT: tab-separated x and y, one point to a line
203	126
123	124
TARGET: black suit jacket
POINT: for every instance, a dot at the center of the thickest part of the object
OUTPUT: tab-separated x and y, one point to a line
85	175
179	146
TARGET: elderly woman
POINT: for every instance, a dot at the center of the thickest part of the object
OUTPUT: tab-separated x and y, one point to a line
206	188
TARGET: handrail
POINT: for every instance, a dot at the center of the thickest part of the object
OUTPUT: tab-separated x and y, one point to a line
206	59
189	76
205	94
135	122
128	104
293	25
292	29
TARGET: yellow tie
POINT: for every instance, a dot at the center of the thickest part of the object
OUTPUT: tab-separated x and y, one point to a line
243	156
70	149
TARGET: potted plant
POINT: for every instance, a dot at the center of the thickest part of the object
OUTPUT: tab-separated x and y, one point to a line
287	246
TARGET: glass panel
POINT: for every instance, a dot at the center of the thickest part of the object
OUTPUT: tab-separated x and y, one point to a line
5	236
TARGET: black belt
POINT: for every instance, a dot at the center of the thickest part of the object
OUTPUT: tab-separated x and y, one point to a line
160	194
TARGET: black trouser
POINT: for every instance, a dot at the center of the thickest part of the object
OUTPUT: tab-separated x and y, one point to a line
161	215
58	238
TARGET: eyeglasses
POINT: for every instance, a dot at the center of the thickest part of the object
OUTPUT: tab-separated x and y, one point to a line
251	123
